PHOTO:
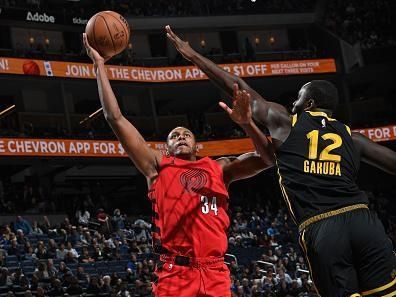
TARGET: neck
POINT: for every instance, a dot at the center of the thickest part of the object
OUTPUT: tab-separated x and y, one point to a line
186	157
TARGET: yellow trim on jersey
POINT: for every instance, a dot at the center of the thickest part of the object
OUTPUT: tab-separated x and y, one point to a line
348	129
320	114
294	119
355	295
384	287
285	196
305	249
329	214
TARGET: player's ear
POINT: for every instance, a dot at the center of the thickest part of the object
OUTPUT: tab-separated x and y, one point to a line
309	104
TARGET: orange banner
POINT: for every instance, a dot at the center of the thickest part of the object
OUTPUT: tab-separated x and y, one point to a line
384	133
107	149
162	74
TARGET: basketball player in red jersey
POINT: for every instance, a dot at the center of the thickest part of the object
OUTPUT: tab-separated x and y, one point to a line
189	197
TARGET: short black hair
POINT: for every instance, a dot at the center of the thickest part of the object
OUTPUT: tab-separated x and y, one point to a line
324	93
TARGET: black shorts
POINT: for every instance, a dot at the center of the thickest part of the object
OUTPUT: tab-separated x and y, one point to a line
350	255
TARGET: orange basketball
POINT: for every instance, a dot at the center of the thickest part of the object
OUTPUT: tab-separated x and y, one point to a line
31	68
108	33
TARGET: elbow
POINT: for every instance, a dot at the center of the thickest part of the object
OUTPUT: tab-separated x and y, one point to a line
112	118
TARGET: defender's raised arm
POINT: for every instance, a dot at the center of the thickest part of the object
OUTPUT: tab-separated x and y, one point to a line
265	112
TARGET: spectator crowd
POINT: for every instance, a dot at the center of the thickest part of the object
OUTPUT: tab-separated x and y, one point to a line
167	8
368	22
103	255
111	255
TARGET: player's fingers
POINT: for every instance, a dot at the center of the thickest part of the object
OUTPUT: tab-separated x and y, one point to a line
246	99
171	33
169	30
235	89
225	107
170	37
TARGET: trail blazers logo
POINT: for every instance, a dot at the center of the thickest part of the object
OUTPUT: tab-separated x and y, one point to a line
193	180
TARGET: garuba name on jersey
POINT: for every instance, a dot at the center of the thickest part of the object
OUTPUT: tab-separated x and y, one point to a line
190	204
318	166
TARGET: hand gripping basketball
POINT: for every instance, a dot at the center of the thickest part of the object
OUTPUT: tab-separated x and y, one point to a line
93	53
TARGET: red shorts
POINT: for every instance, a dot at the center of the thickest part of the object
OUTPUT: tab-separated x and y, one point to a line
203	277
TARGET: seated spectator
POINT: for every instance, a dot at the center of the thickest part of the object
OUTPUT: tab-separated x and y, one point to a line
61	252
20	237
134	248
69	258
22	224
16	277
30	255
85	237
52	271
70	249
132	262
107	251
83	216
36	229
106	287
41	251
41	272
103	220
63	269
85	257
40	292
283	276
74	287
5	279
130	277
81	275
118	220
56	288
93	286
115	279
13	250
52	248
272	231
98	254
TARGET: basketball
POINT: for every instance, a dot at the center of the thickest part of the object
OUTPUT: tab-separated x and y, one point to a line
31	68
108	33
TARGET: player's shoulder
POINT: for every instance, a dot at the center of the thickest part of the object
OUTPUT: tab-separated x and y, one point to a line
224	161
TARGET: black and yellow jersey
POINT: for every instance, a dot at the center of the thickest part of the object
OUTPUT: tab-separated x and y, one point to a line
318	166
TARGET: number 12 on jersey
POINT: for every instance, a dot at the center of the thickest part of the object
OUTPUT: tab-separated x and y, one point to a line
206	207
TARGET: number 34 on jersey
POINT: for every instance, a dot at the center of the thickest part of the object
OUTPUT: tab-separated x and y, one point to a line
208	204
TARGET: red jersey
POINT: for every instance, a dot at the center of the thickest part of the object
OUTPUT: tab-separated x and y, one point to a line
190	204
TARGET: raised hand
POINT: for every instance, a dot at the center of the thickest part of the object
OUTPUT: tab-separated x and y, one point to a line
241	112
182	46
93	53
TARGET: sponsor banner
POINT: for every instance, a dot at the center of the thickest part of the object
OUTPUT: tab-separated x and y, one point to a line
108	149
41	17
162	74
384	133
32	15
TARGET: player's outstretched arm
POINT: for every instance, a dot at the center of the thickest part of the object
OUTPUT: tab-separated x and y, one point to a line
248	164
374	154
144	158
270	114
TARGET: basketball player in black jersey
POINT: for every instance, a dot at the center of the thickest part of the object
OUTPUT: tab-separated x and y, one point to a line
318	160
